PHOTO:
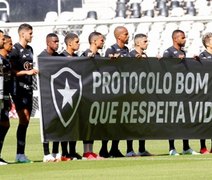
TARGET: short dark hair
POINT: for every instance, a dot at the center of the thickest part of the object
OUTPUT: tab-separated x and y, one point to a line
140	35
24	26
93	35
176	31
51	35
1	31
70	36
7	36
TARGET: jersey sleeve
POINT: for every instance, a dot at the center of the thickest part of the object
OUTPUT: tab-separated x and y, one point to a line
166	54
109	51
14	58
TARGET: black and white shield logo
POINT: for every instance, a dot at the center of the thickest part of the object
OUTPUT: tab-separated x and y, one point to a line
66	88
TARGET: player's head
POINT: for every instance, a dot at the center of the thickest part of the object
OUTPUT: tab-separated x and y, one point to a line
52	41
97	39
1	39
207	40
121	34
25	32
141	41
178	37
72	41
8	44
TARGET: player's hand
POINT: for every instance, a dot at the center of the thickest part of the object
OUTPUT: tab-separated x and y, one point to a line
181	56
32	72
196	58
90	54
114	56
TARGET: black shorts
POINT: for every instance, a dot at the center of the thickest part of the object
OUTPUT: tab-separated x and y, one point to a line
23	102
4	115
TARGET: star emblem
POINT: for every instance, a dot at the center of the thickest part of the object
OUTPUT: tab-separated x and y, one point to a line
67	94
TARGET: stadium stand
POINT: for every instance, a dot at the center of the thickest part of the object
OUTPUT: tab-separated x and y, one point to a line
156	18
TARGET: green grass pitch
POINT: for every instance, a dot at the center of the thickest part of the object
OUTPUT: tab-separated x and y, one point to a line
160	166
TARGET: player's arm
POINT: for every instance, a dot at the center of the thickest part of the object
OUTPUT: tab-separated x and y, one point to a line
26	72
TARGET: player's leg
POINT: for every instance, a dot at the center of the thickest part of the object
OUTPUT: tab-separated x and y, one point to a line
4	127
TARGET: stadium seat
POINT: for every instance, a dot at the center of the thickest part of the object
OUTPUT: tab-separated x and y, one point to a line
149	13
136	10
131	28
51	16
120	13
143	28
5	17
177	12
92	15
185	26
65	16
105	13
102	29
199	26
157	27
174	4
161	5
163	12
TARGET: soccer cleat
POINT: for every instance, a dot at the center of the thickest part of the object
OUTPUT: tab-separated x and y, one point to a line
173	152
204	151
190	152
97	156
89	155
64	158
57	156
104	153
116	154
48	158
75	156
131	154
21	158
145	153
3	162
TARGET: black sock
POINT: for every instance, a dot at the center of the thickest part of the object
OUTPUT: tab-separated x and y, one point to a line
3	132
72	147
46	148
55	148
104	145
129	146
202	143
115	144
21	138
171	144
64	145
141	146
185	144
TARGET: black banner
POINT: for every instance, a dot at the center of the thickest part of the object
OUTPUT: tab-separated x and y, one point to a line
126	98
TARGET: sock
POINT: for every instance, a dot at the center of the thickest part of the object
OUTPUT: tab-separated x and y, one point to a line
21	138
115	144
202	143
55	148
129	146
91	146
141	146
104	145
46	148
72	147
85	147
3	132
185	144
171	144
64	145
